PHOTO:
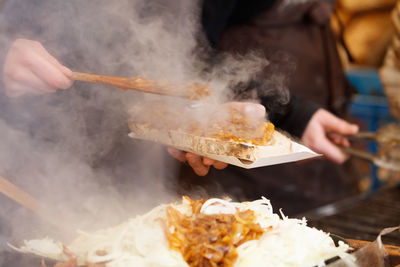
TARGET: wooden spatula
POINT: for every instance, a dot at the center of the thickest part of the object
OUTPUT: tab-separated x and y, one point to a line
193	91
18	195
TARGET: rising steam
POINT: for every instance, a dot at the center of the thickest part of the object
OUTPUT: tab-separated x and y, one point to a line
70	149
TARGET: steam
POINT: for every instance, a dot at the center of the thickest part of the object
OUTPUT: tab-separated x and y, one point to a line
70	149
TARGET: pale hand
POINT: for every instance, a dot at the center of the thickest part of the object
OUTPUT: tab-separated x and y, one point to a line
315	135
201	165
30	69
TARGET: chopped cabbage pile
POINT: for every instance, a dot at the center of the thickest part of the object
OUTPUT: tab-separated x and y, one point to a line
142	241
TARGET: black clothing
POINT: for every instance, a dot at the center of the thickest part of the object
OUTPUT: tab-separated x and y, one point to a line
299	44
217	17
294	116
295	34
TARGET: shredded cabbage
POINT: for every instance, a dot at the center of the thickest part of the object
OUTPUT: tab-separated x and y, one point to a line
142	241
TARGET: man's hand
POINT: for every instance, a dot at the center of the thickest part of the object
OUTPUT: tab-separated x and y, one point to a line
201	165
315	135
29	68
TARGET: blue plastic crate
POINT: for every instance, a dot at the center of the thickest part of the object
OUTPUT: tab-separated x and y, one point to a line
370	105
373	110
366	81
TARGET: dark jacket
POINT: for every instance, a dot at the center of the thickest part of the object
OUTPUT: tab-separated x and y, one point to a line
217	17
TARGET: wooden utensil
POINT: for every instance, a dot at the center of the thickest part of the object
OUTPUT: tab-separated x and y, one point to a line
18	195
193	91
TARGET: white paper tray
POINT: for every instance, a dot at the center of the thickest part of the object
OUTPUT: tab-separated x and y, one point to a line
264	158
299	152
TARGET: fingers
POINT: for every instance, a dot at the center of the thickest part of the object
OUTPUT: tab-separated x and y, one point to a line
339	139
194	161
220	165
208	161
217	164
48	73
26	81
177	154
322	125
66	71
331	151
29	68
197	165
335	124
19	90
200	166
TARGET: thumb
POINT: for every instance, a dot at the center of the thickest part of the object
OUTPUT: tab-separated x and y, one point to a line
254	110
249	109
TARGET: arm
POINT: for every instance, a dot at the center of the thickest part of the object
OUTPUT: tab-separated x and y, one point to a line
29	69
313	124
291	117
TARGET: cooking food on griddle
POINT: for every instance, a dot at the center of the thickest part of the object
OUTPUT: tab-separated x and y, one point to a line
213	232
224	233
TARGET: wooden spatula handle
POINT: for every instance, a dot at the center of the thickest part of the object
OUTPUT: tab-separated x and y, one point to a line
121	82
29	202
193	91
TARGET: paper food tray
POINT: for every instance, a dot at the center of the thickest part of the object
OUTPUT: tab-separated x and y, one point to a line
243	155
299	152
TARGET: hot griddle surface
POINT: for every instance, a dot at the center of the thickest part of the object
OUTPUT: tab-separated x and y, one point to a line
364	217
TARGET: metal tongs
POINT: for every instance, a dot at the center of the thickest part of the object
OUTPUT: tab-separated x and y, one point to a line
379	137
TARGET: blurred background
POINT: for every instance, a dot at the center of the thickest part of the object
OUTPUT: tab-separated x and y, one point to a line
368	42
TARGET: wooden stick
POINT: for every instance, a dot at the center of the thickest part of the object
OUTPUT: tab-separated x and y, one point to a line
143	85
29	202
13	192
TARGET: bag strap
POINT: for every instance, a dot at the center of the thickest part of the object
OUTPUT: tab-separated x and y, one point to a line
341	36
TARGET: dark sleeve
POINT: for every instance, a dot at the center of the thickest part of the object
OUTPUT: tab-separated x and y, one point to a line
292	117
289	113
218	15
215	17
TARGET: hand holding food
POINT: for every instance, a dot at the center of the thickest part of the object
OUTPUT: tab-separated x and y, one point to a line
30	69
201	165
315	135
